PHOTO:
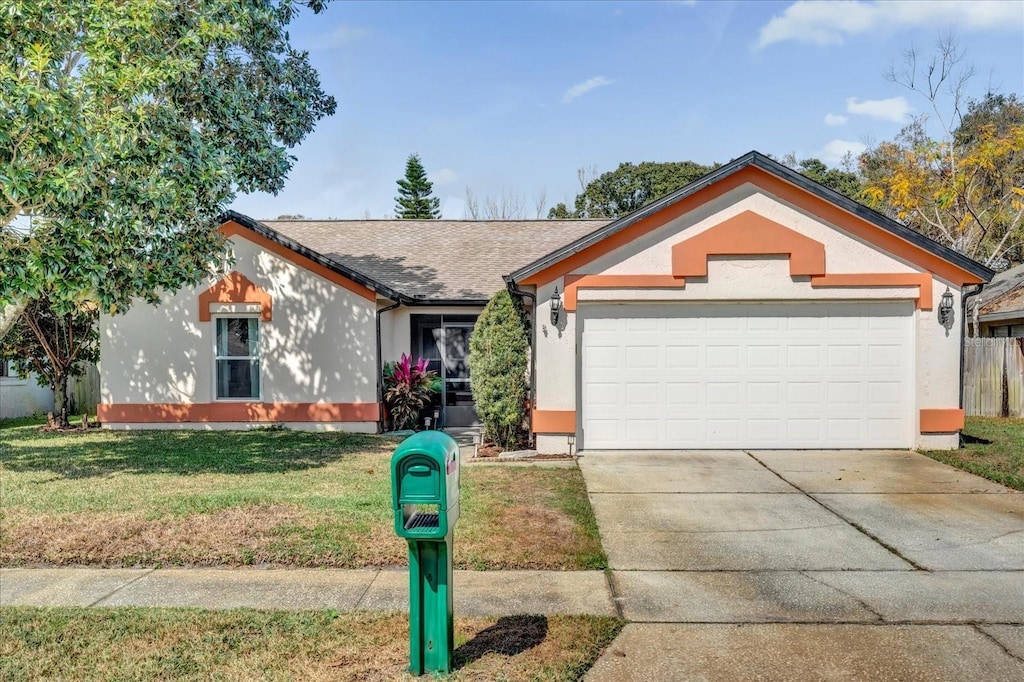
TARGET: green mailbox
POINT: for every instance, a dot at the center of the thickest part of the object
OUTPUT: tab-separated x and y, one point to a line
425	500
425	486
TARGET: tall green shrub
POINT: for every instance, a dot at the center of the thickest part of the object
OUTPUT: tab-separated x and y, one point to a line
498	355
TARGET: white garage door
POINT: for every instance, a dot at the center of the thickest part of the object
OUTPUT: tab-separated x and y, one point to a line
814	375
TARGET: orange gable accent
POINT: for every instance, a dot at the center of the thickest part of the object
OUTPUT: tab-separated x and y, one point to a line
922	280
573	284
231	228
748	234
816	206
234	288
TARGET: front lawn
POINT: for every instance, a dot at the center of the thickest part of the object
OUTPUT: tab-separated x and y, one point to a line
275	498
165	644
1000	460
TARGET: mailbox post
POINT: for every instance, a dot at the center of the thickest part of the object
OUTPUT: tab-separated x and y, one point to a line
425	498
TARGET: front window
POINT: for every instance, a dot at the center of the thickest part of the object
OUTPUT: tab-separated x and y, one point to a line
238	357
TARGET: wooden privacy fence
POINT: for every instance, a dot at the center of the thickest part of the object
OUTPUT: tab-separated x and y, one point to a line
994	377
84	391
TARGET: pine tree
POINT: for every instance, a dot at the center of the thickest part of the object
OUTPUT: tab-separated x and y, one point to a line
414	198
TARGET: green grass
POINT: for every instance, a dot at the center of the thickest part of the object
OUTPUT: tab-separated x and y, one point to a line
1000	460
150	644
271	497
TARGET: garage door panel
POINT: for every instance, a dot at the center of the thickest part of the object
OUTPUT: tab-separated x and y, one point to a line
747	375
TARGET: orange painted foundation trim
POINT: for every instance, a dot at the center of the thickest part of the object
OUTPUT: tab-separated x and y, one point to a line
883	279
231	229
554	421
574	283
170	413
943	420
791	194
748	234
235	288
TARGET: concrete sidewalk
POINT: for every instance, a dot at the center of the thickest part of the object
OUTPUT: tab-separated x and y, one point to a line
477	593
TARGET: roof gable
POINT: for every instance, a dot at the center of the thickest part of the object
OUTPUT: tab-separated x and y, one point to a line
787	185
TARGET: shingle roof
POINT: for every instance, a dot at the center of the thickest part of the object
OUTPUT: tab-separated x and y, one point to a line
458	260
1004	294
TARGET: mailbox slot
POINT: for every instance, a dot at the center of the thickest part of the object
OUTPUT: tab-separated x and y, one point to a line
421	516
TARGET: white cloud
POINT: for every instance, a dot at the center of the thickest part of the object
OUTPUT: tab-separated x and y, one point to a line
833	152
583	88
342	35
820	22
835	120
444	176
893	109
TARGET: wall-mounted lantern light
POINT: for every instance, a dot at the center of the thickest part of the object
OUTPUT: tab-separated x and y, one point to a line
556	307
946	309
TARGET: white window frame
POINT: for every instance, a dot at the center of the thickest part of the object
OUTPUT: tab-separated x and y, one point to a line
217	358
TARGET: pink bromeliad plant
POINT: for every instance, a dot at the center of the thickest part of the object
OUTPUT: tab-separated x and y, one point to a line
408	388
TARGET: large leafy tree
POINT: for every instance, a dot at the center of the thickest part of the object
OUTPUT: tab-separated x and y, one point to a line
957	174
967	190
415	193
630	187
126	128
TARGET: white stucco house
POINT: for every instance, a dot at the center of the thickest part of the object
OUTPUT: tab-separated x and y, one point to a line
22	396
753	308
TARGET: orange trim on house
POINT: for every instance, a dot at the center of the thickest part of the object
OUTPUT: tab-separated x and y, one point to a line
168	413
748	234
230	228
235	288
825	210
639	228
883	279
942	420
553	421
573	284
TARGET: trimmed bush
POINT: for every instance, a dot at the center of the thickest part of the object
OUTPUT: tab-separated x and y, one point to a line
498	356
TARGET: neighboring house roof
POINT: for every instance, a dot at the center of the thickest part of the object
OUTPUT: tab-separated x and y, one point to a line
1003	297
756	160
431	260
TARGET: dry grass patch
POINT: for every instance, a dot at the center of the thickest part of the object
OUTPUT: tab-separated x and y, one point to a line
993	448
145	644
275	498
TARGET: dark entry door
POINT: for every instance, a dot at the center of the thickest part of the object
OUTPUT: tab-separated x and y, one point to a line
444	342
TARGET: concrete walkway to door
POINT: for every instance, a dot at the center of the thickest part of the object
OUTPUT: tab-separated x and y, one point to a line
808	565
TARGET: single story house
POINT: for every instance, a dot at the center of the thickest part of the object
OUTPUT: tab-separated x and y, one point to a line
752	308
22	396
998	310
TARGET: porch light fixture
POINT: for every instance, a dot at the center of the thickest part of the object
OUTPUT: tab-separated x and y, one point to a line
946	309
556	307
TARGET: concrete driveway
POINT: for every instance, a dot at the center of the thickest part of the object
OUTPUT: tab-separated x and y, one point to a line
808	565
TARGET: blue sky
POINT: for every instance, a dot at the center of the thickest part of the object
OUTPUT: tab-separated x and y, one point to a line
516	96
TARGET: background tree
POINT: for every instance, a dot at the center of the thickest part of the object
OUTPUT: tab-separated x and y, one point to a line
966	188
498	352
56	346
126	128
844	180
415	200
630	187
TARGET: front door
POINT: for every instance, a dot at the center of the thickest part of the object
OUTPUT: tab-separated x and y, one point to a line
444	342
